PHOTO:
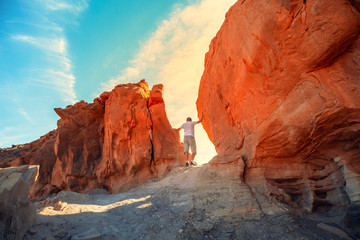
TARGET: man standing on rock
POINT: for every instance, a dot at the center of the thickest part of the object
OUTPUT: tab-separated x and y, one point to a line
189	138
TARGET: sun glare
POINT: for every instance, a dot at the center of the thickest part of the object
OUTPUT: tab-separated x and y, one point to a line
70	208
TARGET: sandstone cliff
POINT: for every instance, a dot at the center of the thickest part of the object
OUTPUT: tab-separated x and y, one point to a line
139	142
119	141
281	87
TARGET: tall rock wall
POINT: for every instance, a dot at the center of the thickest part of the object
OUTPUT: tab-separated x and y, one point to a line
281	87
117	142
139	142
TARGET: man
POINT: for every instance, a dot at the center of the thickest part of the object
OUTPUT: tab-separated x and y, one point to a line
189	138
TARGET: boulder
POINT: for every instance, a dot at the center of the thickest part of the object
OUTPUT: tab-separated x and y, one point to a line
17	213
281	87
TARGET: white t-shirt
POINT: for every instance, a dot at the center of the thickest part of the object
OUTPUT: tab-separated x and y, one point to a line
189	128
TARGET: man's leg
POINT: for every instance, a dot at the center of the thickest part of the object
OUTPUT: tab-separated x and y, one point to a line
186	150
193	150
187	159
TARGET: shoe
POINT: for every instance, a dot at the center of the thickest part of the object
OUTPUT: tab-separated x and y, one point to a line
187	164
192	163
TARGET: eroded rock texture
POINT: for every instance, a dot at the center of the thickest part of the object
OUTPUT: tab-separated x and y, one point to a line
139	142
119	141
281	86
17	212
78	146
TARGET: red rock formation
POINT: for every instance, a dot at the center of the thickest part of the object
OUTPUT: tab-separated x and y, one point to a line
78	146
139	142
281	85
119	141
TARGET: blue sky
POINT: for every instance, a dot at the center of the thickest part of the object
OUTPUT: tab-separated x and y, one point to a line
56	52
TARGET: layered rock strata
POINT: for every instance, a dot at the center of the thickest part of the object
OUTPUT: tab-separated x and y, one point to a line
119	141
281	87
17	213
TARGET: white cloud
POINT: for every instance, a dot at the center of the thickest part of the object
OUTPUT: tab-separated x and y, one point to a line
24	114
52	44
59	73
59	5
174	55
24	38
43	76
51	40
64	83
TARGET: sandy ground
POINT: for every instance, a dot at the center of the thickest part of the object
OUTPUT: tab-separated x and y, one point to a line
180	206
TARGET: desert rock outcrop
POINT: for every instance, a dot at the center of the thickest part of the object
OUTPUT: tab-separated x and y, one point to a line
119	141
281	87
139	142
78	146
17	213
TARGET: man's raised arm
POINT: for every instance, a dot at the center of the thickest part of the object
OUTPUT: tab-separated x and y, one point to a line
201	118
